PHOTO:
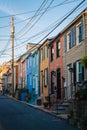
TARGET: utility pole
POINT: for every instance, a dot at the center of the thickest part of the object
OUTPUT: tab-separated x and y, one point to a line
12	36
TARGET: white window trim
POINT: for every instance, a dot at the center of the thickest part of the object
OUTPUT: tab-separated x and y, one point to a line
77	72
36	89
77	34
68	41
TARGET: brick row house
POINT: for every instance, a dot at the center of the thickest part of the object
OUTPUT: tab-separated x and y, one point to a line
54	68
44	64
75	47
56	79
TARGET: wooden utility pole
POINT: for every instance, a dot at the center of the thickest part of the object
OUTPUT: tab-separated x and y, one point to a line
12	36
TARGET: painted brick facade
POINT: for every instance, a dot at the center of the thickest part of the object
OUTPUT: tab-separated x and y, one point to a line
44	88
56	67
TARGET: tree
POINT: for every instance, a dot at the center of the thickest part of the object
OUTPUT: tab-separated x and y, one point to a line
84	63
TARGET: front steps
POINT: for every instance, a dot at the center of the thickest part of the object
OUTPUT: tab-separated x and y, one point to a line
63	108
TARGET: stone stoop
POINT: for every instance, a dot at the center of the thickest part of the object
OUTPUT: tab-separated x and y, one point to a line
63	108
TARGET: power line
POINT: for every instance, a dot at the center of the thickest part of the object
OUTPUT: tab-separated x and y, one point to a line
27	12
70	12
5	47
59	23
54	27
33	18
37	19
40	33
50	8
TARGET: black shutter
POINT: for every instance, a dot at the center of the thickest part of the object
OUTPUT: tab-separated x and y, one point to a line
74	73
82	73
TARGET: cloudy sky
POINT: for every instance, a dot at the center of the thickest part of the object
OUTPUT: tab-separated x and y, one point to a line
33	20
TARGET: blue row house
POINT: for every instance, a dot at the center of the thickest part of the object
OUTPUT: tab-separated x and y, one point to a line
29	73
35	75
32	74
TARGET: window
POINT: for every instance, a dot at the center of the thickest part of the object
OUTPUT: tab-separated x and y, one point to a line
69	40
52	53
80	72
80	32
36	92
30	79
36	58
46	51
73	36
24	66
65	43
58	49
41	54
27	63
33	61
34	82
42	81
30	61
46	76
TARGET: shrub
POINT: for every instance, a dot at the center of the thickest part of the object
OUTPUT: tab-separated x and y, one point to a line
81	94
28	97
84	61
39	101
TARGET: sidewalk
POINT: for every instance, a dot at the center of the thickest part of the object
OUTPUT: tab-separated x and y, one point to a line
41	108
47	110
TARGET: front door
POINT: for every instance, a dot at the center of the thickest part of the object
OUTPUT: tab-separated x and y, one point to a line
58	83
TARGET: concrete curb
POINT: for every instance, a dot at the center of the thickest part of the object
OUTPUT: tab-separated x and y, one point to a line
45	110
62	117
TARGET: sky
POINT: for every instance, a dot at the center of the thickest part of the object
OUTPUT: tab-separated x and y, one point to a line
33	20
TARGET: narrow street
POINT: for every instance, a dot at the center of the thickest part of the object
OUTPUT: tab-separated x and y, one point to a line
17	116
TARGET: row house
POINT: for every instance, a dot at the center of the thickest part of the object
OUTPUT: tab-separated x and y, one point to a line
56	79
54	68
29	73
21	71
35	74
32	73
75	47
44	65
23	63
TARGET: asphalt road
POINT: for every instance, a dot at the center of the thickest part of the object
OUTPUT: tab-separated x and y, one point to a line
17	116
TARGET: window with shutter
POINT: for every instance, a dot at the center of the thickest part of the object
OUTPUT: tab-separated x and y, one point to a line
80	72
73	36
